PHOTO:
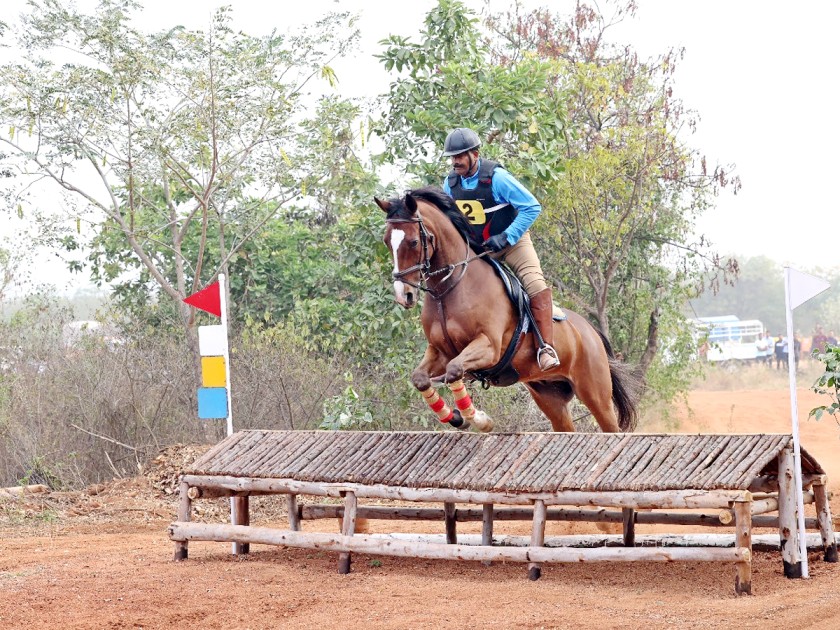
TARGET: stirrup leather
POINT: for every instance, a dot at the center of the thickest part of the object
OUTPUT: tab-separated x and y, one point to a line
552	360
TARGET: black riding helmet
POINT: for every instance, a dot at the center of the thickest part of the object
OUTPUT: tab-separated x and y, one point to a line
459	141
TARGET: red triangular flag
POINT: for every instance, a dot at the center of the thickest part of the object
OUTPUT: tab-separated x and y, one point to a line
208	299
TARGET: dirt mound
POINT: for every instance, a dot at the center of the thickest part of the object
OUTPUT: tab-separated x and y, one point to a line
164	471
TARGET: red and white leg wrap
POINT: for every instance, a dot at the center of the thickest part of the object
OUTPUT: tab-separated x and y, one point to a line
463	400
438	405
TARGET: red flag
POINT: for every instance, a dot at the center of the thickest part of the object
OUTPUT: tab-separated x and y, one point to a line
208	299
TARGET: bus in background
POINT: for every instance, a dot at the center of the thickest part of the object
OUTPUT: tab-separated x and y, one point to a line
728	338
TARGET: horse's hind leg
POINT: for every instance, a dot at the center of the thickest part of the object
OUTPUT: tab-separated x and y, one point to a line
598	399
553	397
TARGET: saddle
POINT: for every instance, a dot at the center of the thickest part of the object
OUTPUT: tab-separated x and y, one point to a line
503	373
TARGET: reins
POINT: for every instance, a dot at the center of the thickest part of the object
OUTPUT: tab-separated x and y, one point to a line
424	266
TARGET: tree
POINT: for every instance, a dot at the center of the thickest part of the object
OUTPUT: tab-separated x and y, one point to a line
449	79
167	134
597	136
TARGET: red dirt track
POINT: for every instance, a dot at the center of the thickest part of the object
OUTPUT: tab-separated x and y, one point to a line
105	562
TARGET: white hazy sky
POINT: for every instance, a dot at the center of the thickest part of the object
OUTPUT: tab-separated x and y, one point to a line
760	74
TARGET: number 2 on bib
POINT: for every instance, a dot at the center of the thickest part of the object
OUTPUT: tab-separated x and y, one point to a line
473	210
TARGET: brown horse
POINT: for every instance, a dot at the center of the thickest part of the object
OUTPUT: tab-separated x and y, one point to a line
469	321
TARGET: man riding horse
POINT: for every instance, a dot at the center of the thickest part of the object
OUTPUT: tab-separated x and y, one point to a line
500	211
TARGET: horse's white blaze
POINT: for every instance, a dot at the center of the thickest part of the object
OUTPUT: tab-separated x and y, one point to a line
397	237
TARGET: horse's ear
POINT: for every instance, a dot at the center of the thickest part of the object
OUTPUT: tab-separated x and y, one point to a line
385	205
411	204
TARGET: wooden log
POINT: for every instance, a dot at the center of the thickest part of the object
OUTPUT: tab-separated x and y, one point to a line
370	544
537	538
788	529
240	515
760	542
36	488
599	515
486	527
762	506
449	521
824	520
680	499
628	522
743	541
184	515
293	513
348	528
771	484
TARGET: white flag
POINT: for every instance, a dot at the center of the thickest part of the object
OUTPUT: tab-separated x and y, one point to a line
803	287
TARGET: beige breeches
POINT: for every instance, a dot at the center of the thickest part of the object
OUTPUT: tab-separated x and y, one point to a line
523	261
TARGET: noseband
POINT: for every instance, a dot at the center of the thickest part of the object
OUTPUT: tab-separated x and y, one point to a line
425	264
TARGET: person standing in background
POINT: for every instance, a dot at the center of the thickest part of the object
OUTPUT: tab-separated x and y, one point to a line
780	350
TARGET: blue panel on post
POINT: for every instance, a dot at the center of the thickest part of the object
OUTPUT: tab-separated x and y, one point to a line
212	403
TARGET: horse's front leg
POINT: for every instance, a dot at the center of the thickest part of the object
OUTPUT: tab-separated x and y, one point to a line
434	362
479	353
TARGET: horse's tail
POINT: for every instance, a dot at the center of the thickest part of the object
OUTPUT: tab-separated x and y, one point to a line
624	386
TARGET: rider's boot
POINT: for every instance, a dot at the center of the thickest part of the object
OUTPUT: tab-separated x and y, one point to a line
542	308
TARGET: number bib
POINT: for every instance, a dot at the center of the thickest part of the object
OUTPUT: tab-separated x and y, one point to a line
473	210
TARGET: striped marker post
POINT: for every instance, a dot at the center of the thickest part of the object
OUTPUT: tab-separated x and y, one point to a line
214	401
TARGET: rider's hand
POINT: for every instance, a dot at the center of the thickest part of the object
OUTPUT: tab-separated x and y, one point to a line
496	243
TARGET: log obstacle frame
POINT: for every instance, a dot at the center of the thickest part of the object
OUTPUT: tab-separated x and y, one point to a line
738	508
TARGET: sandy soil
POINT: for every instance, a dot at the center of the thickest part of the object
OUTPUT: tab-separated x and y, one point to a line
102	559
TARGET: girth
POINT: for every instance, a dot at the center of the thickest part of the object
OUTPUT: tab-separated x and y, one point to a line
503	374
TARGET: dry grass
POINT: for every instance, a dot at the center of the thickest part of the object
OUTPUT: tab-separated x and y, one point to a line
751	376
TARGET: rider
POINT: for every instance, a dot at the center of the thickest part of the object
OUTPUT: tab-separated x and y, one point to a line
500	211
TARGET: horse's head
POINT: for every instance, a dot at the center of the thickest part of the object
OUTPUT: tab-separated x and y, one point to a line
411	245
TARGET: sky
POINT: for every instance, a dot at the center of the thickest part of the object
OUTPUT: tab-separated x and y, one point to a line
759	73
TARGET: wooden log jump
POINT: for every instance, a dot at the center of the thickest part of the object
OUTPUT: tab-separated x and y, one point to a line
538	477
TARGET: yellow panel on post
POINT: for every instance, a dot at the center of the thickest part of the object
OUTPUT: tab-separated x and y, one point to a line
213	372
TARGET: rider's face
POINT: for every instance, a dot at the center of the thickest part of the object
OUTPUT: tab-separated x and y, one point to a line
464	163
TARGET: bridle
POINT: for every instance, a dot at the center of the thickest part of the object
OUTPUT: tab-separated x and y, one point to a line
424	266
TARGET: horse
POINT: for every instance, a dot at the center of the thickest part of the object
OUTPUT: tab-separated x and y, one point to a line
469	321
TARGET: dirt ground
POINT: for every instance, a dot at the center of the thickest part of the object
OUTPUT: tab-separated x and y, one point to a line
102	559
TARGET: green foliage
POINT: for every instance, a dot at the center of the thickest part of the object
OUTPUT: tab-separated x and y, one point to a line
828	383
180	139
449	79
346	410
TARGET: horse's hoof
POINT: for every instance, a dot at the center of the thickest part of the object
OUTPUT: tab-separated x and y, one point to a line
482	422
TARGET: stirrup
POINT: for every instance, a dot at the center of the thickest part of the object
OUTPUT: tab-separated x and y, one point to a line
551	362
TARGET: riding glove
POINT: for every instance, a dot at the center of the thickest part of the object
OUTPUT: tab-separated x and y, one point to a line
496	243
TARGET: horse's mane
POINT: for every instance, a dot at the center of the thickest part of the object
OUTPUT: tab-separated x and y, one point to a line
440	200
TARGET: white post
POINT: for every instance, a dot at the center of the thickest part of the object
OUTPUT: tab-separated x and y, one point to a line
794	414
223	303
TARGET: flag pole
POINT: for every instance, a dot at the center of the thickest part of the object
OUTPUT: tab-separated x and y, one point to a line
794	414
223	304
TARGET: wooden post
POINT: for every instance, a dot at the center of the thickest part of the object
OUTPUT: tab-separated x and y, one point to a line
449	521
537	537
241	516
487	528
348	527
292	508
628	517
184	516
788	528
824	521
743	540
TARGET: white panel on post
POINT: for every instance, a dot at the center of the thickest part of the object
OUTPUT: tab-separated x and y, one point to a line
212	341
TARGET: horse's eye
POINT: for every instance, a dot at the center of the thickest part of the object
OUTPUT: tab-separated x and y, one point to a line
414	242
